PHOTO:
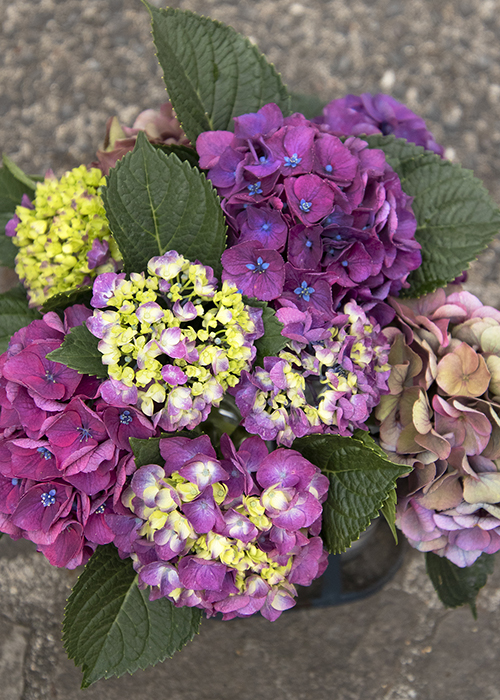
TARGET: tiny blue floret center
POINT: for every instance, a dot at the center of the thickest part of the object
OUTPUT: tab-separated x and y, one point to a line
255	188
85	434
48	498
292	161
126	418
261	266
304	291
44	452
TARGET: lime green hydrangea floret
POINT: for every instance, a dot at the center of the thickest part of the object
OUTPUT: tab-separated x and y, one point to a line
173	338
64	240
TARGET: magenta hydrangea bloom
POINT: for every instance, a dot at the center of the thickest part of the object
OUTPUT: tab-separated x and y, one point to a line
355	115
231	536
320	205
64	450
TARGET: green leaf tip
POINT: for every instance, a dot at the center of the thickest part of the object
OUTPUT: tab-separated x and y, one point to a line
16	172
155	202
111	627
455	585
14	314
79	351
361	480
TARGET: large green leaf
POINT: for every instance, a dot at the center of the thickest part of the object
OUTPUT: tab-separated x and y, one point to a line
14	314
212	73
110	626
361	480
456	217
155	203
79	351
455	585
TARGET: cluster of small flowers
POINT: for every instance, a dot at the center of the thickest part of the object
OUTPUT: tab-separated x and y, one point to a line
63	237
358	115
442	417
64	452
334	211
172	343
230	536
324	381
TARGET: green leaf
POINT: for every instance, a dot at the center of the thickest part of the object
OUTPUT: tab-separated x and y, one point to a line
19	175
361	480
155	203
308	105
212	73
456	217
79	351
110	626
13	184
388	510
455	585
146	451
14	314
272	341
61	301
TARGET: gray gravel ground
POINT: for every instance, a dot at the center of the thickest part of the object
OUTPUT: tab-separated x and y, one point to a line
65	67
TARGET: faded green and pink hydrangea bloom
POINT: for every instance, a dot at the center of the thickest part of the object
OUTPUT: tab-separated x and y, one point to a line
442	417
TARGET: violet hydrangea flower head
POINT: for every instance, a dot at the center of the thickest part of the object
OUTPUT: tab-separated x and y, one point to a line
63	236
237	550
324	381
64	452
355	115
172	338
442	417
287	185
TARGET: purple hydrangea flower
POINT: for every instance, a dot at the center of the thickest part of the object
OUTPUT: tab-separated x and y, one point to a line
330	207
257	272
376	114
225	536
324	381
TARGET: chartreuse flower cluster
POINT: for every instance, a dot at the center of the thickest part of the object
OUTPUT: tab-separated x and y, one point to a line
326	380
172	342
63	237
232	536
